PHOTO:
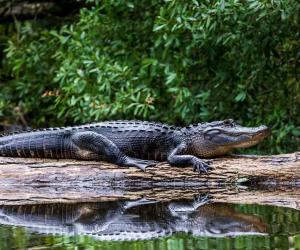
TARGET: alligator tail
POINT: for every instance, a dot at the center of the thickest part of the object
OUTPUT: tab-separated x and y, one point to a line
36	144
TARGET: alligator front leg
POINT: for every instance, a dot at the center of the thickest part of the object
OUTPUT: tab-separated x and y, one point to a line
176	158
182	209
102	146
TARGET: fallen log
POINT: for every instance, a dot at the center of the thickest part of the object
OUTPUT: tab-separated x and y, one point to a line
32	181
268	170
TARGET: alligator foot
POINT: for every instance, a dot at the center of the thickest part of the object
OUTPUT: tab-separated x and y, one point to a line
201	166
182	209
141	164
201	200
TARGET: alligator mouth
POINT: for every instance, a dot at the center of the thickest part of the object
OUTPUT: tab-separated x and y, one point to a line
261	134
254	138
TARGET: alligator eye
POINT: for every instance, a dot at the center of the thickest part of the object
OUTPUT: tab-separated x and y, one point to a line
213	132
229	122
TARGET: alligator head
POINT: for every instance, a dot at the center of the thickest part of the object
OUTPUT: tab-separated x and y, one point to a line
221	137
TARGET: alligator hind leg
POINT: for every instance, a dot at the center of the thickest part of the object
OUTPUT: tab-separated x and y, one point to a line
139	163
100	145
130	204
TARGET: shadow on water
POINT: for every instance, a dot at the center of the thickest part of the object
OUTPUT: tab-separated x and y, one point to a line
147	224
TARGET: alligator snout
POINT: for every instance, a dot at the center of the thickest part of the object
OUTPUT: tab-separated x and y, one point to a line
262	132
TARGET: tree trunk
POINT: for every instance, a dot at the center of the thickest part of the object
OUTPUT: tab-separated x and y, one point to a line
275	178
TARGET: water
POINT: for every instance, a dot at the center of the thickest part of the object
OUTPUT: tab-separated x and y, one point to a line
165	225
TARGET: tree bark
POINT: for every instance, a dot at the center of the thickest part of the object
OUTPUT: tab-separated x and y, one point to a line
275	179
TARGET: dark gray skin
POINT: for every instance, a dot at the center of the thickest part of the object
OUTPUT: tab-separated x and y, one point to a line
135	143
133	220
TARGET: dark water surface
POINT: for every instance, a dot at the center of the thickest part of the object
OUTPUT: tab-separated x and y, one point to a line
145	224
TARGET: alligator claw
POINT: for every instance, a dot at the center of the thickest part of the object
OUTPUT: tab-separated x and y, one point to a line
139	163
201	200
201	166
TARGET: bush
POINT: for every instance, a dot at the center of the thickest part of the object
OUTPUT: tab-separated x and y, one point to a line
173	61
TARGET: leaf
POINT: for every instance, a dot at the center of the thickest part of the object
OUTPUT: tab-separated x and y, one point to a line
171	77
240	97
80	72
159	27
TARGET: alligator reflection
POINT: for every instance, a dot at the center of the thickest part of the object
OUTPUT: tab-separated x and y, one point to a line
141	219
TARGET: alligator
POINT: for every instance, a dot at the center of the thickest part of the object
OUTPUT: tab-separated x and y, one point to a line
133	220
135	143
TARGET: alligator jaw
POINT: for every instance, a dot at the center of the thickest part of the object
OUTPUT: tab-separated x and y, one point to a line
252	138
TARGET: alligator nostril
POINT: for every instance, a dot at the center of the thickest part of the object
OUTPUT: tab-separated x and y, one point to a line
266	130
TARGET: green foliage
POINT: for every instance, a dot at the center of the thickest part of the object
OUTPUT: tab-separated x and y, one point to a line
173	61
